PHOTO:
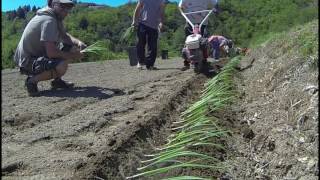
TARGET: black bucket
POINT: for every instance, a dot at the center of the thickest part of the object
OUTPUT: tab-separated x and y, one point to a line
164	54
132	52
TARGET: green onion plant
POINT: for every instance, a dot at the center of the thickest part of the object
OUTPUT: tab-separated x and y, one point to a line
195	128
96	48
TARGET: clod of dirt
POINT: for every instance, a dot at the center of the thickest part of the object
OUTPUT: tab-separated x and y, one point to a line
112	142
271	145
11	167
248	133
311	89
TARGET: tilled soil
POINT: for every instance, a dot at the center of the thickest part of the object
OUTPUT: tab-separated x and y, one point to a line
96	130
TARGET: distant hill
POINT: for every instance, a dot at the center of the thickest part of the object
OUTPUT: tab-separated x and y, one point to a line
245	22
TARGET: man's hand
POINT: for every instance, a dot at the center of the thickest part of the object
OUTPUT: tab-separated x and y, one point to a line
76	55
81	45
160	26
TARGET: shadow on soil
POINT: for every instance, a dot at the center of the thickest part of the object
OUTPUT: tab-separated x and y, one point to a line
90	91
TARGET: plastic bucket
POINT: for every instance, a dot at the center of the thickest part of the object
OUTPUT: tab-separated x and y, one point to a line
164	54
132	52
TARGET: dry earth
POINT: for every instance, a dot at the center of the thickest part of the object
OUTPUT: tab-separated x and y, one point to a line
90	131
276	119
102	128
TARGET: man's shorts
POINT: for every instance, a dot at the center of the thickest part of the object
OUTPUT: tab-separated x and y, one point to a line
41	65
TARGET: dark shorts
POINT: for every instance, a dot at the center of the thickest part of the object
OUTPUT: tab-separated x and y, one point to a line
40	65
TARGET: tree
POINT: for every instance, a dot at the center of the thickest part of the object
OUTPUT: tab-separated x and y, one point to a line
34	8
28	8
11	15
20	13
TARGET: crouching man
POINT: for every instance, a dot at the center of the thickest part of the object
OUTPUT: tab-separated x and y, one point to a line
43	52
220	45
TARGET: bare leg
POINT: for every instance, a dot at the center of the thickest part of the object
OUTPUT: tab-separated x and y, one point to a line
51	74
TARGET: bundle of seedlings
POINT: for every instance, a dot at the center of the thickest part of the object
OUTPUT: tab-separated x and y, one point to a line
129	36
96	48
195	131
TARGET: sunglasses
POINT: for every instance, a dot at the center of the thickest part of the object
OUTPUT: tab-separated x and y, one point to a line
66	7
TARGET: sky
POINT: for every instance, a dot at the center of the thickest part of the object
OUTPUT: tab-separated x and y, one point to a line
7	5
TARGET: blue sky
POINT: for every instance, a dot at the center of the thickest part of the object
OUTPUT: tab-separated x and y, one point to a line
7	5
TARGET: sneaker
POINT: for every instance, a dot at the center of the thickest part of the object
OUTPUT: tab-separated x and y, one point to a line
152	68
139	66
32	88
61	84
216	60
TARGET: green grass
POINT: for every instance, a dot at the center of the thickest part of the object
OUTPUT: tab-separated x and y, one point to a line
195	129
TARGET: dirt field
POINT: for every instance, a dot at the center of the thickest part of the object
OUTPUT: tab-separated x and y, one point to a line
102	128
75	133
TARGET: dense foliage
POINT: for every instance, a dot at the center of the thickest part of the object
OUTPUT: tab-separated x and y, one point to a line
244	21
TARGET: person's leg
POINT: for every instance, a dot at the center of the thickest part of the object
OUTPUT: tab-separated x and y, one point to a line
187	32
203	31
152	35
43	69
216	49
142	39
185	55
204	34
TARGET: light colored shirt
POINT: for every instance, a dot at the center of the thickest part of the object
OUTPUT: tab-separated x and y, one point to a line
197	5
151	13
220	39
40	29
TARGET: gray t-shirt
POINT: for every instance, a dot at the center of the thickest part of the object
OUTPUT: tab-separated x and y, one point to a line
151	13
40	29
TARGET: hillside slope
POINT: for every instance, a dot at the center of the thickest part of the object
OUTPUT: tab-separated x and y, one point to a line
275	121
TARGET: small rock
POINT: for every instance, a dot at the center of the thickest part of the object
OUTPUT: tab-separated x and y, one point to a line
80	164
112	142
8	168
225	177
311	164
248	133
302	140
107	113
303	159
311	89
302	119
9	121
91	154
271	145
129	92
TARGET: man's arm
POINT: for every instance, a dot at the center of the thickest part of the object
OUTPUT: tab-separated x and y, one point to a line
69	39
162	15
53	52
137	13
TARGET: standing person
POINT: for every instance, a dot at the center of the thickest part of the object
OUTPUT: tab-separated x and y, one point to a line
149	17
220	44
187	6
38	55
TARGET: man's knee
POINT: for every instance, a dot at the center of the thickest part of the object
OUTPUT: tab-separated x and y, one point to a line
61	68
